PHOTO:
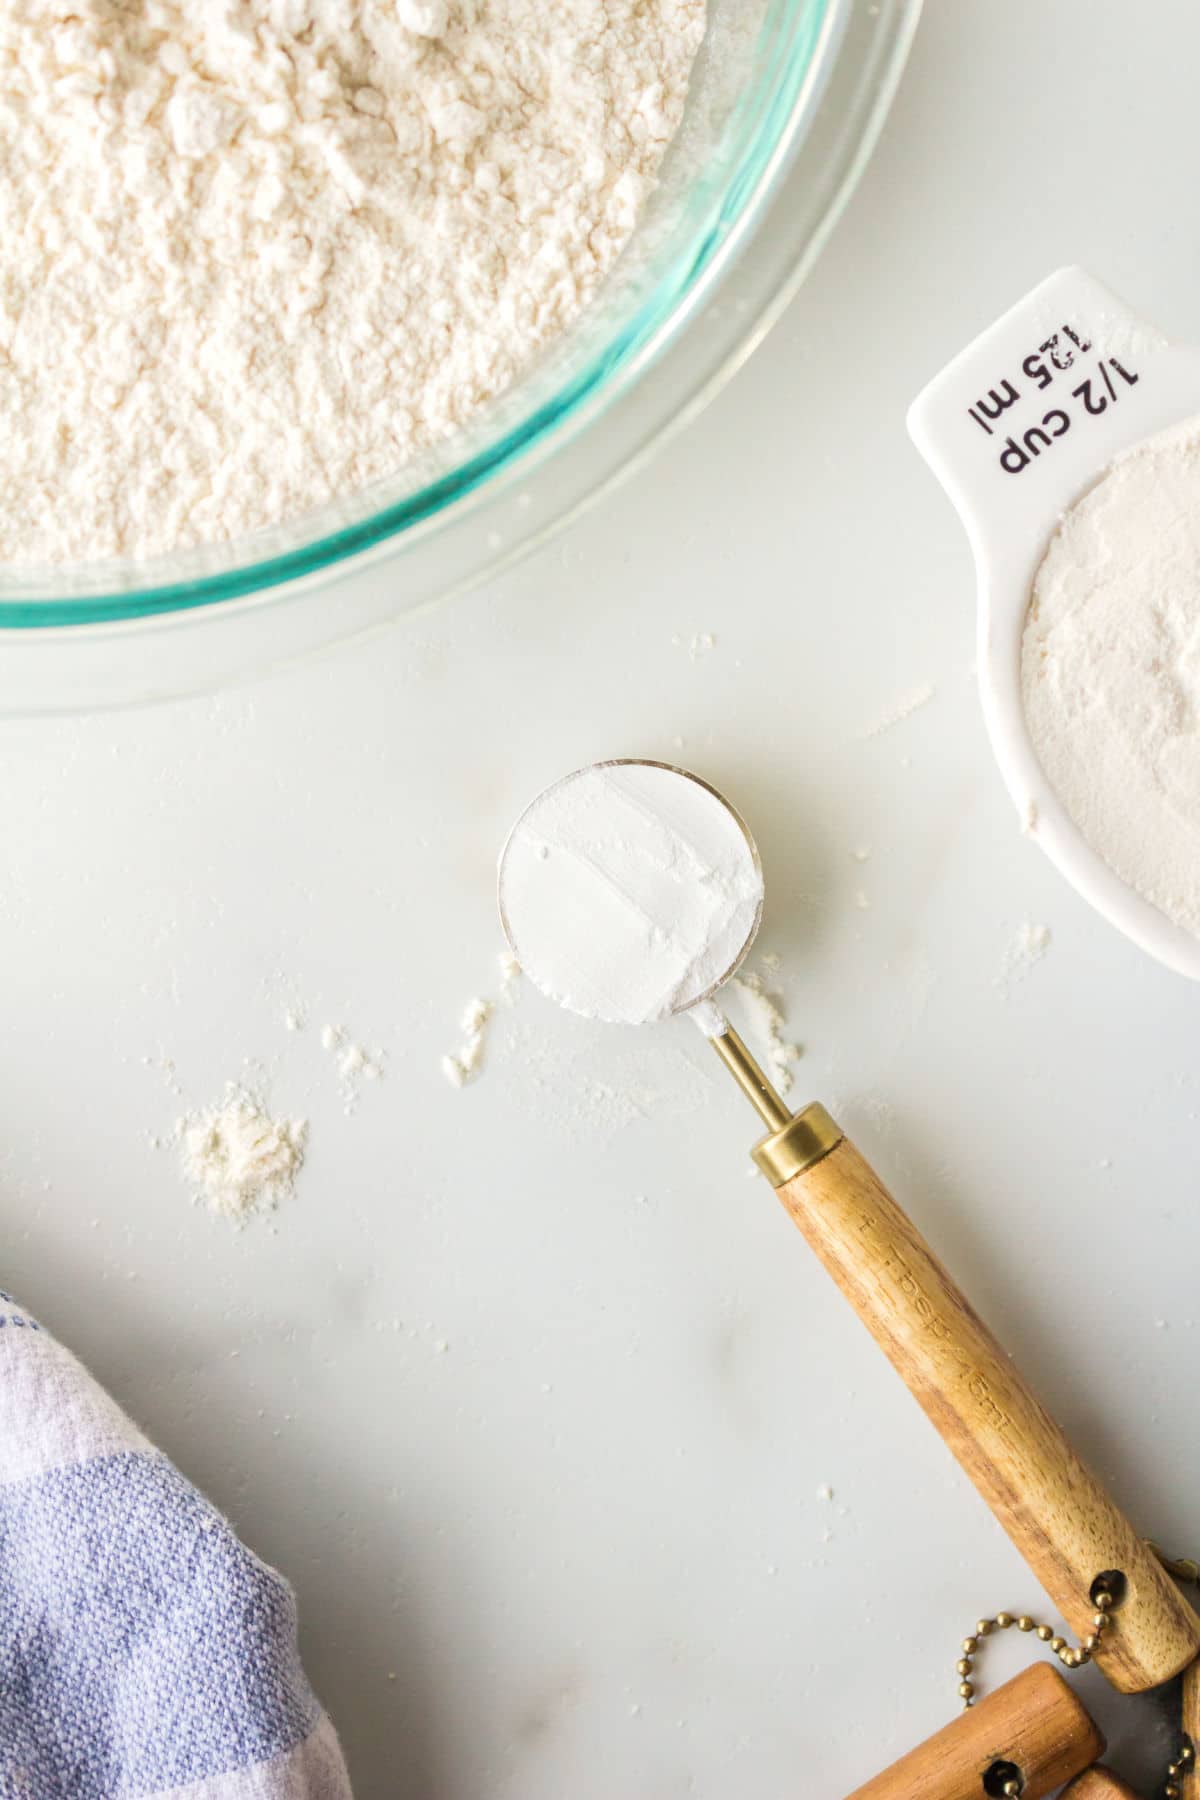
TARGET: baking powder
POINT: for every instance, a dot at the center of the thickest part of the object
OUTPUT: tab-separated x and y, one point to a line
628	890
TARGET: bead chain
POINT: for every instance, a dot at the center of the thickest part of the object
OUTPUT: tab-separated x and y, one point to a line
1184	1764
1072	1657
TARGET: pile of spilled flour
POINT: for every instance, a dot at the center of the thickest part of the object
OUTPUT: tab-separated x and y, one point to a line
260	253
237	1158
759	1002
766	1020
463	1064
1111	670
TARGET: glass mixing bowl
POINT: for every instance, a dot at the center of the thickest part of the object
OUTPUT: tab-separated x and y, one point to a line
785	104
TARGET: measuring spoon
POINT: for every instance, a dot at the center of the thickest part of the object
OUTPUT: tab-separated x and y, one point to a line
638	860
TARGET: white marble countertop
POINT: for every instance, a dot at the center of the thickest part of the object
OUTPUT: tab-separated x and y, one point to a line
528	1389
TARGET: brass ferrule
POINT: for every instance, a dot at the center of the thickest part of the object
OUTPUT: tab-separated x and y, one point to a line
803	1141
794	1143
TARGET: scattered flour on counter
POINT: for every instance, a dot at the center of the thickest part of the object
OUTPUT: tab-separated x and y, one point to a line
1029	946
881	1113
166	1067
279	989
698	645
353	1063
768	1026
260	254
1110	669
589	1097
238	1158
510	974
461	1065
902	709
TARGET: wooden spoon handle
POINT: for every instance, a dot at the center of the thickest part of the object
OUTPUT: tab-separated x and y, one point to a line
1052	1507
1098	1784
1190	1708
1034	1723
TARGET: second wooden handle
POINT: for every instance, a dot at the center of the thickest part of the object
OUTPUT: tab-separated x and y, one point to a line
1097	1784
1054	1510
1034	1730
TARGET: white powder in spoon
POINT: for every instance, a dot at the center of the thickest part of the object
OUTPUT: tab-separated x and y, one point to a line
628	890
1111	669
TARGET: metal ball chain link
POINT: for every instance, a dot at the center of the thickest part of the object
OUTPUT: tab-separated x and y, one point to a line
1071	1656
1184	1764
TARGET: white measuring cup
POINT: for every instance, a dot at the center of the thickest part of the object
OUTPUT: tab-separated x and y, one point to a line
1017	428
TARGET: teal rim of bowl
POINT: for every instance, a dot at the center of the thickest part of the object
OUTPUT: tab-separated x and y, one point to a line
648	330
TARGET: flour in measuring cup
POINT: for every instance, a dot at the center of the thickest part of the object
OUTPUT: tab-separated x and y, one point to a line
257	255
1111	669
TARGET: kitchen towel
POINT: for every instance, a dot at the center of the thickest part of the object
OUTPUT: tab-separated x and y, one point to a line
144	1651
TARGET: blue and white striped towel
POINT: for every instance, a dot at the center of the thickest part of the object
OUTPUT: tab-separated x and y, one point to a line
143	1650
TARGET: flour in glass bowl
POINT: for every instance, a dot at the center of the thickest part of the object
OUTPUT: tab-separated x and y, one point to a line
260	253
